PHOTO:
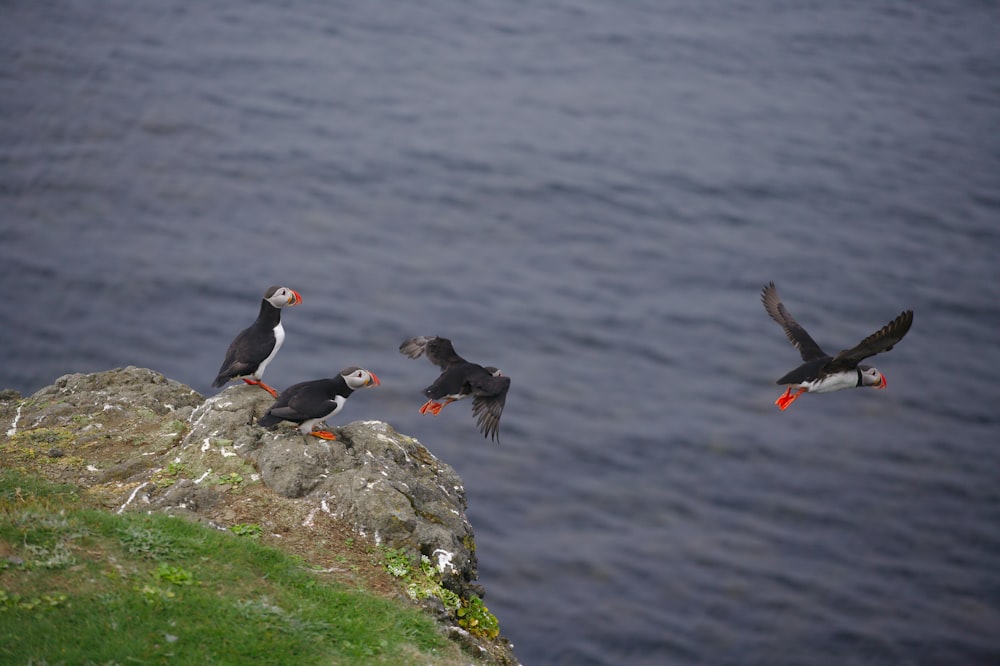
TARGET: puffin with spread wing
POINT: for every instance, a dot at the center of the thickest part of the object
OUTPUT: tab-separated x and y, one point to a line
460	379
822	373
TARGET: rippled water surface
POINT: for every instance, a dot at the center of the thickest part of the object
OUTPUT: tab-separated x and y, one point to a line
588	195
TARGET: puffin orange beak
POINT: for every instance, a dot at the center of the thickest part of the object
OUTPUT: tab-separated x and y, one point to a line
295	299
884	382
375	379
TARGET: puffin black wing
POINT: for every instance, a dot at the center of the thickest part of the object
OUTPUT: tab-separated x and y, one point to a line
439	351
880	341
247	351
451	381
300	402
797	335
489	397
279	409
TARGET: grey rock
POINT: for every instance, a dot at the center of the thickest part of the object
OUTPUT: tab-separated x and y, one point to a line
387	485
102	427
128	387
187	497
144	441
124	471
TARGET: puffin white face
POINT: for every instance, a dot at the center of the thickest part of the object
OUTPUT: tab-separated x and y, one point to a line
280	297
359	378
493	371
871	377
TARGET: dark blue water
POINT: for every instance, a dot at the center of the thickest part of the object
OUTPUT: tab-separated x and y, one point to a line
588	195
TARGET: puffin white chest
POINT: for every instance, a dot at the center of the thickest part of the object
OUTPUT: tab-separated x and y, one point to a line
279	339
830	383
339	400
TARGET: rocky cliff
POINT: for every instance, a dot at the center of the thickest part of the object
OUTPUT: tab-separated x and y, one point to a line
138	441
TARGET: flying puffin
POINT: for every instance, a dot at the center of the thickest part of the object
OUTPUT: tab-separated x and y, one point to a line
308	403
256	346
461	379
822	373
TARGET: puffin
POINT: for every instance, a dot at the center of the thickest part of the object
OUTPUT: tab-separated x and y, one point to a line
822	373
255	347
460	379
308	403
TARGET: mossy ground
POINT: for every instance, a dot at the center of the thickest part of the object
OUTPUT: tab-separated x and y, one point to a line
108	439
81	585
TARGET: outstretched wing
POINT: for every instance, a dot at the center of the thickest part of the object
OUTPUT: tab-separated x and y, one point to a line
489	397
880	341
438	350
797	335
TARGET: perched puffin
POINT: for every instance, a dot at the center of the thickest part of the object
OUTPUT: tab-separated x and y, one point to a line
308	403
822	373
461	379
256	346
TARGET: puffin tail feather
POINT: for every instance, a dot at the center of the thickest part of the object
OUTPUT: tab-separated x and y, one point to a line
268	421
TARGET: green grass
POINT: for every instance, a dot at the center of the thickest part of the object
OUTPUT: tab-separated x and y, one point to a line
83	586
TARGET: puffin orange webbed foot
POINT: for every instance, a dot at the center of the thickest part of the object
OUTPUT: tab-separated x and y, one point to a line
788	398
430	406
256	382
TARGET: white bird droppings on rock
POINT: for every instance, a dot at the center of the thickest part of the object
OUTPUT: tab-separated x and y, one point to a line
443	559
308	522
132	496
13	424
